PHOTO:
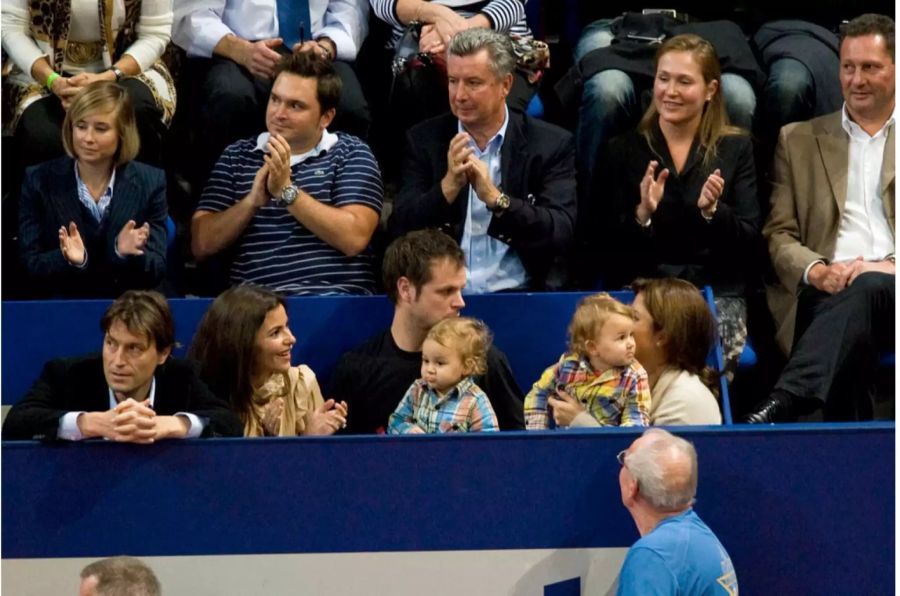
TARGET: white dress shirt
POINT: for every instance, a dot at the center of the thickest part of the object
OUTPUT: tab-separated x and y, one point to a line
68	424
200	24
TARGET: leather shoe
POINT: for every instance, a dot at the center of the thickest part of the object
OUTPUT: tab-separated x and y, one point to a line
778	408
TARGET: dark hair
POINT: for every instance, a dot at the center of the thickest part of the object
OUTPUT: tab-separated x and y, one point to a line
871	24
145	313
311	65
681	313
225	343
714	122
122	576
103	97
412	255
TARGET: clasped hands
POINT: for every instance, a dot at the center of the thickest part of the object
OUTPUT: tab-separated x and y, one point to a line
653	187
261	58
66	88
130	241
131	421
275	173
327	419
834	277
463	167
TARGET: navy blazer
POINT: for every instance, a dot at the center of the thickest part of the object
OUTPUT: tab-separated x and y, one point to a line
78	384
537	165
50	200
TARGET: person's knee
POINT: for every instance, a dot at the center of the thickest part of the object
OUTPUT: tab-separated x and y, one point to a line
607	92
788	79
874	286
595	36
740	100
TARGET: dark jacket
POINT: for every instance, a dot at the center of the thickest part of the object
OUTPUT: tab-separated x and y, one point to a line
50	200
537	163
77	384
679	241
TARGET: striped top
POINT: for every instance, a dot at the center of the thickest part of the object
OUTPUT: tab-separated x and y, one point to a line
506	16
619	396
277	251
465	408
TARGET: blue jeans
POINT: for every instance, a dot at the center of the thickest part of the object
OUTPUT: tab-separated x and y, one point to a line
610	105
790	93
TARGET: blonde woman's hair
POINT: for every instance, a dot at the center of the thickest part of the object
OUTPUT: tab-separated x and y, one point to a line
468	337
590	315
105	96
714	123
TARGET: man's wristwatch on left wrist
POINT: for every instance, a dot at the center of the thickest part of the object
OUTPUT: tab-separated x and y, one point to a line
118	72
501	204
289	194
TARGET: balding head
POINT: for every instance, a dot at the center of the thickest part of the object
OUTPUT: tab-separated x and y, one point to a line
665	469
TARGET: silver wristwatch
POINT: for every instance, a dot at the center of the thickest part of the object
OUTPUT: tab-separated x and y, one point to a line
289	194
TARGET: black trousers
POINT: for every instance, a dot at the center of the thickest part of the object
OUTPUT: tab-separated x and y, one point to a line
38	135
230	104
837	344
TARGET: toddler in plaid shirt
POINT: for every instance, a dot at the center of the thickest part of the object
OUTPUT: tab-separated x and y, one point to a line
446	399
597	382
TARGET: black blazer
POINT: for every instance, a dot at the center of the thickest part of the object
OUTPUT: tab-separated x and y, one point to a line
50	200
679	242
78	384
537	165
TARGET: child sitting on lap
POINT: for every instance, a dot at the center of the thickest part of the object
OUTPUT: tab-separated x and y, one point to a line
597	382
446	399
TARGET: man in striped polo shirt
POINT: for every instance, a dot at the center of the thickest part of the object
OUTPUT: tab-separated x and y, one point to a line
297	205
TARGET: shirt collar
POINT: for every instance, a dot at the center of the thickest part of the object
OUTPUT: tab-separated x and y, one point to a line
151	396
850	126
109	186
498	136
328	140
458	389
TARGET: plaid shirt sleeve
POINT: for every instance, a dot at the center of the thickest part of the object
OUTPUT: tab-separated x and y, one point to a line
400	421
636	397
481	415
536	415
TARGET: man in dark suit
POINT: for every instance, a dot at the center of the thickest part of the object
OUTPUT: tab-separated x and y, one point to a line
133	392
499	182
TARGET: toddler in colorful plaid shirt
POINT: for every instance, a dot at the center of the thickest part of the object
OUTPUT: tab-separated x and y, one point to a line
446	399
597	382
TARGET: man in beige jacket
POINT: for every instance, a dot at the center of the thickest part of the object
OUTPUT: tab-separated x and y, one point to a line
831	237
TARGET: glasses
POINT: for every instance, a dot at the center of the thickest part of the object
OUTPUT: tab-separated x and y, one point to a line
621	457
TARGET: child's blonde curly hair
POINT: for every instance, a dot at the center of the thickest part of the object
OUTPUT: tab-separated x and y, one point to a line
590	315
468	337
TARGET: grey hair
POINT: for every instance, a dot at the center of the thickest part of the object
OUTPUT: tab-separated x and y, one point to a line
123	576
499	48
655	466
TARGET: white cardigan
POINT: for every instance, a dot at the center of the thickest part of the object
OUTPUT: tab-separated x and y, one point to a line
679	397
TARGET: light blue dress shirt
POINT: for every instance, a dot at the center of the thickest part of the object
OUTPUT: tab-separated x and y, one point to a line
492	265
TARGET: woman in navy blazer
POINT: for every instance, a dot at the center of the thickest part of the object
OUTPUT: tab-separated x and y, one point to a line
93	224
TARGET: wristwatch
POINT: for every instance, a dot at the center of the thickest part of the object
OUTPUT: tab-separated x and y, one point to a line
501	204
289	194
118	72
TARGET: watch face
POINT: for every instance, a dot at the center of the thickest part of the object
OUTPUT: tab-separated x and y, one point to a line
289	194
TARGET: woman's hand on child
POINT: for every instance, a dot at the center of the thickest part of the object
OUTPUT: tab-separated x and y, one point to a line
271	416
652	188
565	408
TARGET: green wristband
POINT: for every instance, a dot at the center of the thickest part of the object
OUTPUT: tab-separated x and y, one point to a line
52	77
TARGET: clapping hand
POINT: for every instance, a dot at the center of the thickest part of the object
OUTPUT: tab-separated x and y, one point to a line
710	193
132	239
328	418
71	245
652	188
278	159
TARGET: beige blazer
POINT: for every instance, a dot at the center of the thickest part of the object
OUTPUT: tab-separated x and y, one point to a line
808	197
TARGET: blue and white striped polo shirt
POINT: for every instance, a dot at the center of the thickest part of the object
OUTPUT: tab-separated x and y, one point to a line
277	251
